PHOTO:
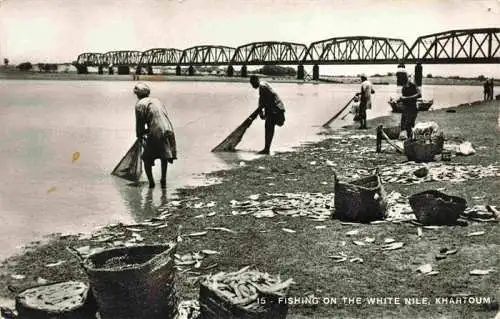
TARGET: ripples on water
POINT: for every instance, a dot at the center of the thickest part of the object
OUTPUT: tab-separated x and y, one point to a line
42	123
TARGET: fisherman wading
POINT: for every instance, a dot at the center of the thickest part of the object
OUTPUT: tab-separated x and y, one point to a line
271	109
156	132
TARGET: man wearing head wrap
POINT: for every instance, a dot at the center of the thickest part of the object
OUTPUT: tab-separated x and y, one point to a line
272	110
410	94
154	128
365	100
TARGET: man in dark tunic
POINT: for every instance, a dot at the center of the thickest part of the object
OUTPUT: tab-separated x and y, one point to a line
271	109
410	94
154	128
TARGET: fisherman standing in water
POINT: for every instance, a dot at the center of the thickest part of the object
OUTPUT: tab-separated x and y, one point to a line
365	100
154	128
271	109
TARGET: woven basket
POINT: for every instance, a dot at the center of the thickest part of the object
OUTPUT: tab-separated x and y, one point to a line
61	300
143	285
362	200
435	208
214	305
423	150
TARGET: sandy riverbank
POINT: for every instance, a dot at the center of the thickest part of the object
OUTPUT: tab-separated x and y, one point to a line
303	254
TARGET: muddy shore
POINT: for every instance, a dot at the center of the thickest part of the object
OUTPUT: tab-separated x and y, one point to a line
245	239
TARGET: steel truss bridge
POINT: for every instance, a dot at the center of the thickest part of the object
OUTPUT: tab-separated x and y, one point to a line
469	46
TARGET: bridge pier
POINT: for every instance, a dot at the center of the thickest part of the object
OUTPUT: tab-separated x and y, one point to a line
300	72
418	74
111	70
178	70
100	70
243	72
191	70
316	72
150	70
82	69
230	70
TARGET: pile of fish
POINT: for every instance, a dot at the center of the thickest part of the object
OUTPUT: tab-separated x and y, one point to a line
188	309
482	213
244	286
398	208
316	206
403	173
184	262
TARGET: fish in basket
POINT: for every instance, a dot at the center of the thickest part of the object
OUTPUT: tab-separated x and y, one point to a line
427	141
134	282
61	300
244	294
362	200
433	207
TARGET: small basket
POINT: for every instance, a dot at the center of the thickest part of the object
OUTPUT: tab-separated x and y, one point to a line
60	300
214	305
435	208
362	200
134	282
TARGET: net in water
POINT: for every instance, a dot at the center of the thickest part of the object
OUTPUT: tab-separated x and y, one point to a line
229	144
130	166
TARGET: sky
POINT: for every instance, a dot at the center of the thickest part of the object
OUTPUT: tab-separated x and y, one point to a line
59	30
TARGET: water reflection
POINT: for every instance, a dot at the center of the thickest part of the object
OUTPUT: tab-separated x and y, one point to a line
144	203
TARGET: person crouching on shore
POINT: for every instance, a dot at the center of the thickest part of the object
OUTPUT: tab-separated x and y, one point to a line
154	129
272	110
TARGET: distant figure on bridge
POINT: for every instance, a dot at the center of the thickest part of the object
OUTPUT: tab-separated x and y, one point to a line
271	108
365	100
410	95
154	128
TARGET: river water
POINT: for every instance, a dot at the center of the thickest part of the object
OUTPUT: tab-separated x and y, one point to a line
42	123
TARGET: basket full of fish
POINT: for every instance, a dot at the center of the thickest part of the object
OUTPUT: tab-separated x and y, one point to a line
243	294
136	282
427	141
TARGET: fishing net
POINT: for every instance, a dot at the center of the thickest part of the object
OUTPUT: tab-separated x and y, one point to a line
130	167
229	144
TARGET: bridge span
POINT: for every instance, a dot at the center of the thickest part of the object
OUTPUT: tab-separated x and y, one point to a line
467	46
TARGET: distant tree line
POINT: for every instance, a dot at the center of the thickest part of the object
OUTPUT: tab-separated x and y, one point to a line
43	67
276	70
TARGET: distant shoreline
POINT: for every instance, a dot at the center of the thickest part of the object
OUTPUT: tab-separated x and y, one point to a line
378	80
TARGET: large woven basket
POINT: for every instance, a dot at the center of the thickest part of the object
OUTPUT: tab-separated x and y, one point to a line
361	200
134	282
214	305
420	150
60	300
435	208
